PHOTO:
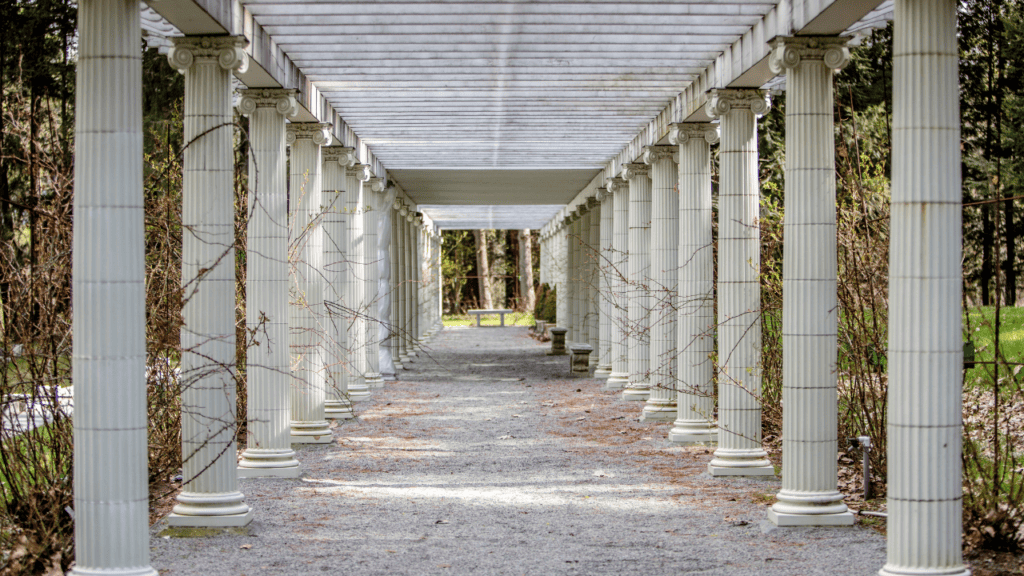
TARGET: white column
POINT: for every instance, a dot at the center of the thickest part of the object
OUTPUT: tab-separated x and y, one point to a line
562	270
111	491
417	288
572	239
209	495
616	269
581	235
373	192
385	233
739	297
397	336
661	405
695	421
306	254
593	255
268	451
355	283
809	495
411	284
338	268
925	347
406	285
439	283
638	297
604	297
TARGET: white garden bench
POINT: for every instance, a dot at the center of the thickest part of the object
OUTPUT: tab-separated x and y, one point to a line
479	313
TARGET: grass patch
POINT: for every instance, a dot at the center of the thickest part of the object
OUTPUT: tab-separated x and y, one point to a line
981	323
513	319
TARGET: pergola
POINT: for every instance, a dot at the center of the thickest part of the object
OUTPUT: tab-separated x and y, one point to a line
376	124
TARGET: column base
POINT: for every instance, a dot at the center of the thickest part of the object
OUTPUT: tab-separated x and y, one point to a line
403	359
229	521
616	381
658	412
603	372
338	413
290	472
789	519
303	439
358	392
375	381
311	433
134	571
685	436
634	392
901	571
225	509
733	462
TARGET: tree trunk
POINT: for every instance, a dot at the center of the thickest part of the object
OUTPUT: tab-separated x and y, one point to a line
483	273
526	270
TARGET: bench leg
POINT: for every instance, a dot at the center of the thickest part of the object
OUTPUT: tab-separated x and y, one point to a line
478	320
503	320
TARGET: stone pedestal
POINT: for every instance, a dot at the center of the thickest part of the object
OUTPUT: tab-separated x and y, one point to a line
579	360
109	297
617	271
557	341
661	405
925	348
739	450
209	495
268	450
309	390
695	421
637	291
809	495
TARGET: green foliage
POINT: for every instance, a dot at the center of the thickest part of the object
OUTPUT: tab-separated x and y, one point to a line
547	301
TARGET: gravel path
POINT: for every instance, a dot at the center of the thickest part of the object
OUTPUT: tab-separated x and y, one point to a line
486	458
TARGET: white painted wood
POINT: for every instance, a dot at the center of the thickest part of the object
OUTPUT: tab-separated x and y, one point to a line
268	449
306	255
637	291
739	298
661	405
695	421
617	271
209	495
925	346
108	289
809	494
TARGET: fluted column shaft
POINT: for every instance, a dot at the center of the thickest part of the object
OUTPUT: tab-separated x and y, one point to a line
385	266
617	272
605	306
593	254
111	491
572	234
809	494
661	405
372	191
268	372
561	274
395	293
638	291
210	493
925	347
739	297
309	390
338	270
696	321
418	263
355	281
406	287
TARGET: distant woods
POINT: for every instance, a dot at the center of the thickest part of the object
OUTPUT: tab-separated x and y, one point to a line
486	269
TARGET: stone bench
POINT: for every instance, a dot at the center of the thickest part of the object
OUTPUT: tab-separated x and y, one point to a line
479	313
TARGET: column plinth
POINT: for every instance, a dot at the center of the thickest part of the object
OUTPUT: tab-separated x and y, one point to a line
695	401
809	495
925	484
209	495
616	272
308	321
638	290
739	450
661	405
268	451
109	296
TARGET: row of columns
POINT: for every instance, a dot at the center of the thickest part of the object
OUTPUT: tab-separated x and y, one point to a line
657	292
320	294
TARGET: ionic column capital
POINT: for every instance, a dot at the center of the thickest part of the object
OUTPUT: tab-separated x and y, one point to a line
683	132
655	154
281	99
615	185
228	51
592	201
602	194
790	51
318	132
722	100
378	185
360	171
635	169
344	156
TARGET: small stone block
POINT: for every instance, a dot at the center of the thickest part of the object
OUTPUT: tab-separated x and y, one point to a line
784	520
